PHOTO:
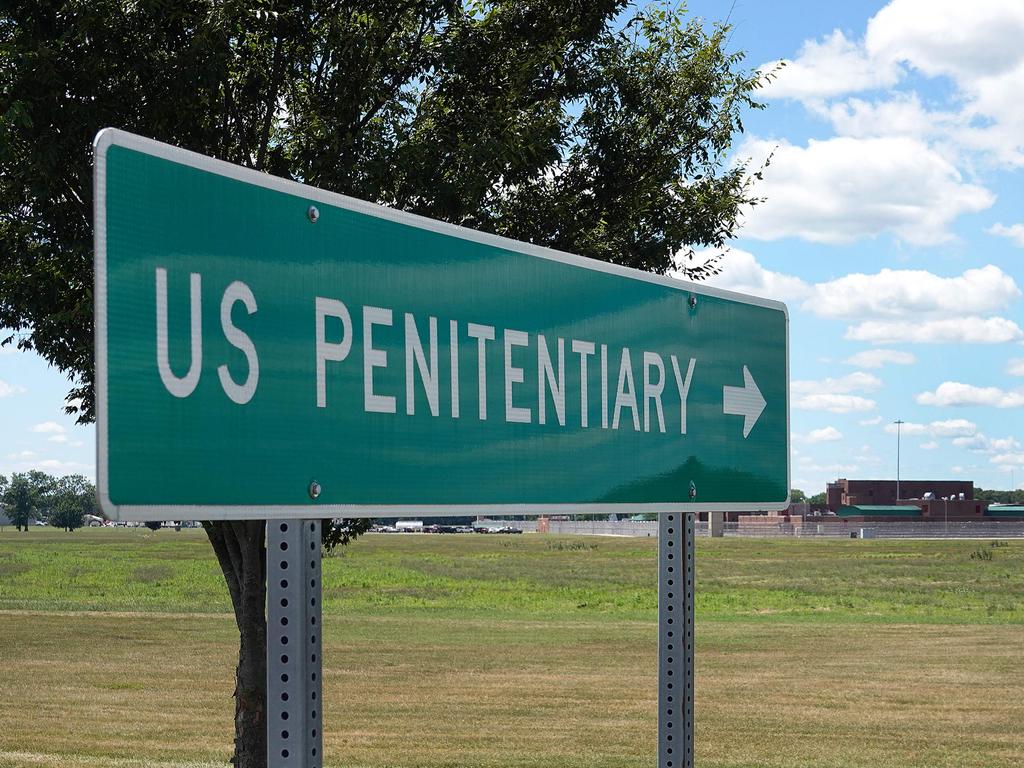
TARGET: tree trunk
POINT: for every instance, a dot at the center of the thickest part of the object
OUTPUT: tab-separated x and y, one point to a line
241	550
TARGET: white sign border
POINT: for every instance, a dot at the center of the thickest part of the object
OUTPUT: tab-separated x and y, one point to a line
135	512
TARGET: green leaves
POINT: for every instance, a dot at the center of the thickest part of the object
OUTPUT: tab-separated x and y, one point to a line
61	501
591	127
71	499
22	497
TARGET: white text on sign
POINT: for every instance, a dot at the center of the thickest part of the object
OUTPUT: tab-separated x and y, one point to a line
639	406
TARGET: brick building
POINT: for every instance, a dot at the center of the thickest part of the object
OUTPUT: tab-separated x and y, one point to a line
848	493
867	501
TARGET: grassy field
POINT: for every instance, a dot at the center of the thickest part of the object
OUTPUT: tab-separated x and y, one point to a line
117	650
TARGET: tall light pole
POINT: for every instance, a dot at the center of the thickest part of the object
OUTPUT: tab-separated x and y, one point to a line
898	424
945	515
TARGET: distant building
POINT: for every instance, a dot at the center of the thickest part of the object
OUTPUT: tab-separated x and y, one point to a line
879	513
874	501
931	511
863	501
849	493
1005	512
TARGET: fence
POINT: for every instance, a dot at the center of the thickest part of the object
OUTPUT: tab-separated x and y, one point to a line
770	529
982	529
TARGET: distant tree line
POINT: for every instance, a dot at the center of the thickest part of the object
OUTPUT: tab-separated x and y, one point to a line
1000	497
799	497
62	502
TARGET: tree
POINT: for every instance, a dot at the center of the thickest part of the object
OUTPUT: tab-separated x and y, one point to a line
3	493
818	499
23	497
797	496
72	498
585	126
43	487
1014	496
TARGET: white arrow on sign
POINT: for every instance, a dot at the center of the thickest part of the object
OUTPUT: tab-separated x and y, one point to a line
746	401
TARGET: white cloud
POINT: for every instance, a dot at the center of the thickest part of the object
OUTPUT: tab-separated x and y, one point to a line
823	435
24	461
902	293
867	456
57	467
843	189
857	381
945	428
9	390
900	114
981	444
929	446
833	394
945	37
952	428
953	330
955	393
1015	232
995	113
1015	367
1008	460
876	358
48	427
742	273
915	306
834	403
871	422
831	67
58	439
1003	444
807	464
975	443
976	46
907	428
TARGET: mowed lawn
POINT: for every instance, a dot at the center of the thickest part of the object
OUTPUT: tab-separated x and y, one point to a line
117	650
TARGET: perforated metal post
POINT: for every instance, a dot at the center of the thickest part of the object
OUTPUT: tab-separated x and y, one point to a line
294	734
675	640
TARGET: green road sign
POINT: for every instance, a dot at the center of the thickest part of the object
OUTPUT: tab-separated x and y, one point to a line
266	349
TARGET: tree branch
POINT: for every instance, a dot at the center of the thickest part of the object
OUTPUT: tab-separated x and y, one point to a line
400	77
271	104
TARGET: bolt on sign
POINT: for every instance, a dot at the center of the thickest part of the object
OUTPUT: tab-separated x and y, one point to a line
268	349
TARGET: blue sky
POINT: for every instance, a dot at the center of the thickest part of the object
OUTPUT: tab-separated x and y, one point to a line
894	230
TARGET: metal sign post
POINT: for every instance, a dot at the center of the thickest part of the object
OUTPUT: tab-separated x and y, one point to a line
294	659
675	640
